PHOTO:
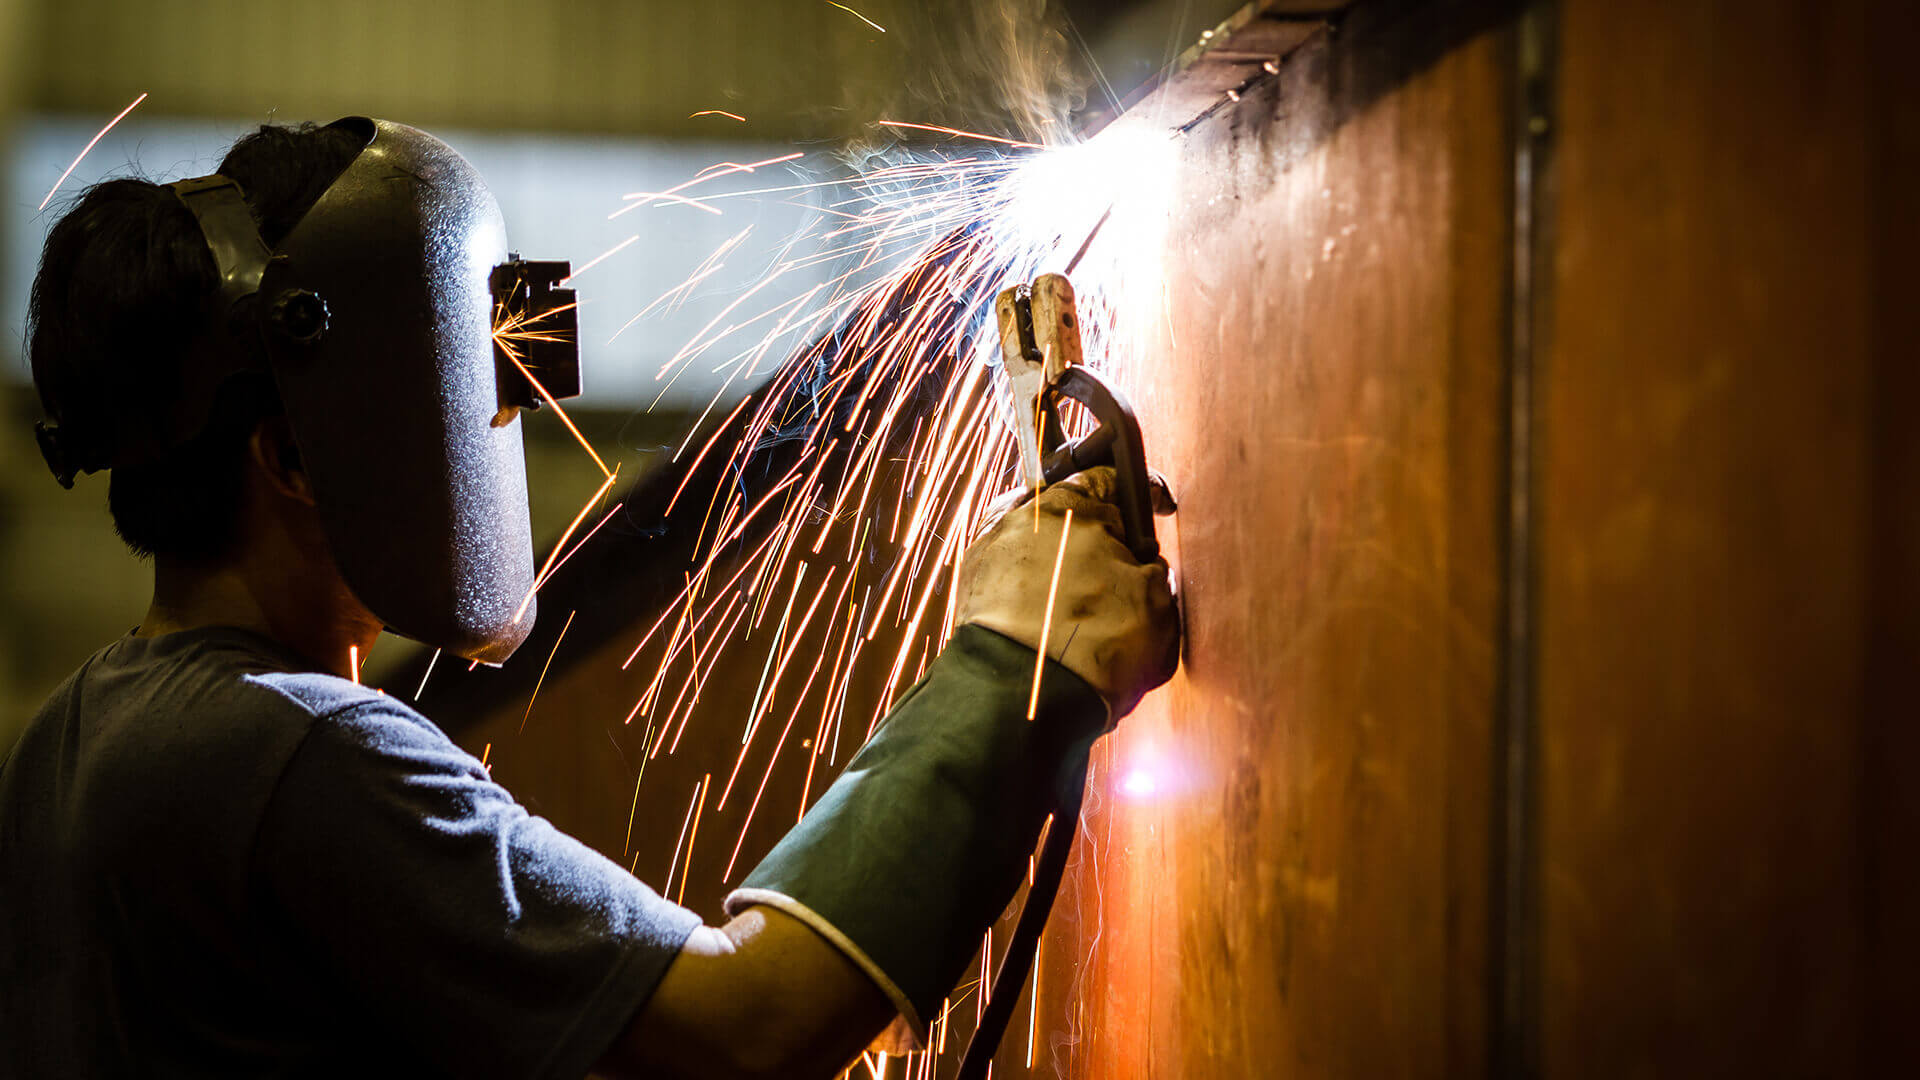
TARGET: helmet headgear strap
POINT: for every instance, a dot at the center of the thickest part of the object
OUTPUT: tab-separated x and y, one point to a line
226	222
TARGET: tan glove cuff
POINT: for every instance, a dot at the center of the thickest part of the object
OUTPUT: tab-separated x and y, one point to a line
1060	649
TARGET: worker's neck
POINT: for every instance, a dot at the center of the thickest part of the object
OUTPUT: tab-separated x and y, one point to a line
308	609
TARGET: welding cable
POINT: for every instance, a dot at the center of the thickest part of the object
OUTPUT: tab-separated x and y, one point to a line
1017	963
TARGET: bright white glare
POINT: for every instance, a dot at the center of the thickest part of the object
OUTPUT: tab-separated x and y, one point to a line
1139	783
1111	196
1060	194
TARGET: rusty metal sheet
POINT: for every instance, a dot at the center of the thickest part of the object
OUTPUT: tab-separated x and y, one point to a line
1285	871
1705	470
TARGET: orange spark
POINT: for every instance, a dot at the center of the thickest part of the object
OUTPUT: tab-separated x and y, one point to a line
699	805
800	700
674	863
725	168
986	986
957	132
661	621
541	577
876	26
85	150
680	289
1033	1007
426	674
1046	621
537	683
701	456
712	662
598	259
664	196
717	112
583	540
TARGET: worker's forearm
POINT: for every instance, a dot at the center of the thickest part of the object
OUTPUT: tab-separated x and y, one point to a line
922	841
762	996
872	905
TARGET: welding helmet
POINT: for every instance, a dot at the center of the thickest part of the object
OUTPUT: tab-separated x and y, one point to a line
375	318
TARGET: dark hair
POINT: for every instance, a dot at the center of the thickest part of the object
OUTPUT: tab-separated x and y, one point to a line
126	289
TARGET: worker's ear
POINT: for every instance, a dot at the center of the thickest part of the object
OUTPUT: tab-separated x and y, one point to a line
271	449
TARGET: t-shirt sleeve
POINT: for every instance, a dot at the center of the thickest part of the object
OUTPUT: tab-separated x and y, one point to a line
490	941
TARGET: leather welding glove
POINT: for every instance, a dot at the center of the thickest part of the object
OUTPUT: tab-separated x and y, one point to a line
1113	623
921	843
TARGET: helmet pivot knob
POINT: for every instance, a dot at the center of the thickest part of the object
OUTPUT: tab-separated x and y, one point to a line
300	315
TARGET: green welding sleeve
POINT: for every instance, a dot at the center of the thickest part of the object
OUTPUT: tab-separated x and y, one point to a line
921	843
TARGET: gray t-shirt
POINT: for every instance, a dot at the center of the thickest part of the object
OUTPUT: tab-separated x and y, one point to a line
214	864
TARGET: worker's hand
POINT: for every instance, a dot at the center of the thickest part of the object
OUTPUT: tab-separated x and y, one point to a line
1114	621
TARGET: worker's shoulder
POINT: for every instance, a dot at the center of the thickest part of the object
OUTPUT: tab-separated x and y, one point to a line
165	752
221	669
322	696
343	711
226	687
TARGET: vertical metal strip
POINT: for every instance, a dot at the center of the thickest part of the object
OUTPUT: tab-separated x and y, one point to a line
1517	1004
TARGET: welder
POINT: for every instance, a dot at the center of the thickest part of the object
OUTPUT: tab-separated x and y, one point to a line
221	855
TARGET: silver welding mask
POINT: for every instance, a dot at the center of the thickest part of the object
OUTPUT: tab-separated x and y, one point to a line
376	317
